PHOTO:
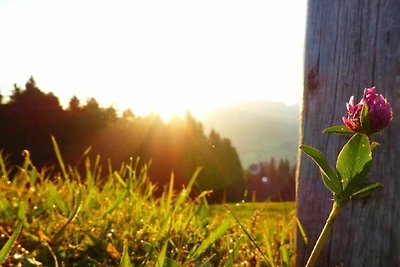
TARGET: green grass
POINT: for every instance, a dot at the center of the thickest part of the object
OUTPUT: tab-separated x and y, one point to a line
111	218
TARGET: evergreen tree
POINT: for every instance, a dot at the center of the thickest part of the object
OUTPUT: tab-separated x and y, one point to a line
74	105
15	94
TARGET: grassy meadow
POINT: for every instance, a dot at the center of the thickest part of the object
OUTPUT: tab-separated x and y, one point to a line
105	217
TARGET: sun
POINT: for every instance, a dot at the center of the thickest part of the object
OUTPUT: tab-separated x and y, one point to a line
167	113
165	108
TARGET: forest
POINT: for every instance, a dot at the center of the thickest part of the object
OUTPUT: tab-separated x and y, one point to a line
30	117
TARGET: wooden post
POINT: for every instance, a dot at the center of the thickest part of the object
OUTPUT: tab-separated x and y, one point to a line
350	45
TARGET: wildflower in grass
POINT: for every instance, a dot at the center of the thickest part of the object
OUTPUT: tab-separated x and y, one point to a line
371	115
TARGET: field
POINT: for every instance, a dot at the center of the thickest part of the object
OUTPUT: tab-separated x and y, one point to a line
111	218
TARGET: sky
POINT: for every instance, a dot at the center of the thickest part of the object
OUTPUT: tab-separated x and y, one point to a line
155	56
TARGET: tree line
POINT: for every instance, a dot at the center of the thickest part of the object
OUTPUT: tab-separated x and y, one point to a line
271	180
31	116
179	146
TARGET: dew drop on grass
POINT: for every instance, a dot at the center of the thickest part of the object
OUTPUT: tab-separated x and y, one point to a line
18	256
109	235
2	235
35	207
230	251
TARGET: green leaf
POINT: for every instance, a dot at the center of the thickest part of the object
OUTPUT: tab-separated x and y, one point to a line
359	177
329	176
6	249
353	157
339	129
374	145
364	118
366	190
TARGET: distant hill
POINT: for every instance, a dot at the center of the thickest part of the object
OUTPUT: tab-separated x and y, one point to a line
258	129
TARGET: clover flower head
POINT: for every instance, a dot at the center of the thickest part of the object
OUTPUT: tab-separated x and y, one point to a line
353	115
379	113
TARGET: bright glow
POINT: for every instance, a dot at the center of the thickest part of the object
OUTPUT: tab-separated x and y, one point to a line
164	56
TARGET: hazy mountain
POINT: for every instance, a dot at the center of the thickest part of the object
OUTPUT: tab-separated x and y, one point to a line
258	129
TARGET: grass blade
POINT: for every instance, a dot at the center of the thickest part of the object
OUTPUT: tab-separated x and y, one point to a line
72	216
224	226
6	249
161	256
249	236
59	157
125	260
302	231
284	256
170	193
4	172
116	202
57	199
183	195
235	251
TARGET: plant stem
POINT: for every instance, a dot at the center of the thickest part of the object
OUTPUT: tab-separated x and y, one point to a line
324	235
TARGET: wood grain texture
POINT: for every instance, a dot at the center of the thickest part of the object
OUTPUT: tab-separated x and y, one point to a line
350	45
